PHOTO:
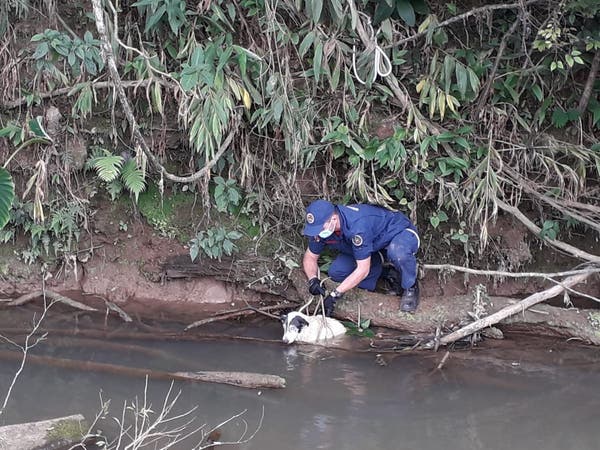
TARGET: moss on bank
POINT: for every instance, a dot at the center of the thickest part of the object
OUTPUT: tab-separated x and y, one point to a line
68	430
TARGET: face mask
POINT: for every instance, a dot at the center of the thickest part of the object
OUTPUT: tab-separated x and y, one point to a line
327	231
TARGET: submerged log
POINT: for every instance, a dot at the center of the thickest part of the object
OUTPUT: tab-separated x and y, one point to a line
52	433
240	379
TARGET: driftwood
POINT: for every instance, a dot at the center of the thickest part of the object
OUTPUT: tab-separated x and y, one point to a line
240	379
46	434
52	296
512	309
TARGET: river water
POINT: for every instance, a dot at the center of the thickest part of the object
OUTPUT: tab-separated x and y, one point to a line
497	396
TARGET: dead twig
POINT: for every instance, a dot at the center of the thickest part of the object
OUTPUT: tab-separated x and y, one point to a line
51	295
237	313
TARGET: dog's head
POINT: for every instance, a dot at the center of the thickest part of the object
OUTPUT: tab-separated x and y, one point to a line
292	326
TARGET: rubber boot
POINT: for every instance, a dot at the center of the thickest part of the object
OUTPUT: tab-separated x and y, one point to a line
410	299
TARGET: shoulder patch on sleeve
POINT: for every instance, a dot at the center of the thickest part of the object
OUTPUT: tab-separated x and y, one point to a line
357	240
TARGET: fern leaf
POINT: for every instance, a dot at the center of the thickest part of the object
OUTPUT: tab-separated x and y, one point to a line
133	178
108	167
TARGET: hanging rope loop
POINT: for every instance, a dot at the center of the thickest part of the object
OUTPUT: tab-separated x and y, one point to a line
382	66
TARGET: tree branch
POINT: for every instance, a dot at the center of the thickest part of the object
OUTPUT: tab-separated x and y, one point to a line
589	84
472	12
574	251
560	205
51	295
98	85
485	92
512	309
497	273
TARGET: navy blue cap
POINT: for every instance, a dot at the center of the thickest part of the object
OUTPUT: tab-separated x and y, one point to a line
317	214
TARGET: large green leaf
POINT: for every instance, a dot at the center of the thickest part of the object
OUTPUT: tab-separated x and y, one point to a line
7	194
406	12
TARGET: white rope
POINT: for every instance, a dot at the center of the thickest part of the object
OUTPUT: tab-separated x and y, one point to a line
382	66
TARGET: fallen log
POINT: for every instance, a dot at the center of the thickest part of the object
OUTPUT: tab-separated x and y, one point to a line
52	433
512	309
452	313
240	379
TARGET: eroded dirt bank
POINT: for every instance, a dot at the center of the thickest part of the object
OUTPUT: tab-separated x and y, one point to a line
150	276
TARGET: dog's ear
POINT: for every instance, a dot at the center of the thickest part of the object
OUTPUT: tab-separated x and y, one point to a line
302	322
283	318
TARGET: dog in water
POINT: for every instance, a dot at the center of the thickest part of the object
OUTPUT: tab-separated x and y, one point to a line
299	327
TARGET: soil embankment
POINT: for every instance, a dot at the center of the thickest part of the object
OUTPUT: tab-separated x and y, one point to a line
150	276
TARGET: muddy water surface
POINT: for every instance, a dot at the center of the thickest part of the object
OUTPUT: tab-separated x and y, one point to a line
502	396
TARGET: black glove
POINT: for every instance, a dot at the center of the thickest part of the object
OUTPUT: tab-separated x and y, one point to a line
329	302
314	286
329	305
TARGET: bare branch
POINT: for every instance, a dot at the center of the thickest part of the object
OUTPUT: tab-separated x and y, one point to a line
472	12
51	295
573	251
499	273
512	309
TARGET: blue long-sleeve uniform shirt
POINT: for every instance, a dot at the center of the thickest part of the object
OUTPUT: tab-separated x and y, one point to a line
365	229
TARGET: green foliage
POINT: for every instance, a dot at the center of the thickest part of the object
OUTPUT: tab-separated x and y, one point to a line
55	49
162	12
83	105
436	218
293	102
214	243
550	229
361	330
227	196
118	173
460	234
560	117
168	214
14	132
53	238
7	194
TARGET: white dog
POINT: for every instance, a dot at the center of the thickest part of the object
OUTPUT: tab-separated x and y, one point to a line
298	327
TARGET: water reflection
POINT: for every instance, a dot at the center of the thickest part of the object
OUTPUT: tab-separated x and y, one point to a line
342	400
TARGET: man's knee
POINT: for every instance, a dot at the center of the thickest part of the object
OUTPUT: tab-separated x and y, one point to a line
399	253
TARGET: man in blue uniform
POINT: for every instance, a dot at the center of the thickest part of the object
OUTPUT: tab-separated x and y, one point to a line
361	234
